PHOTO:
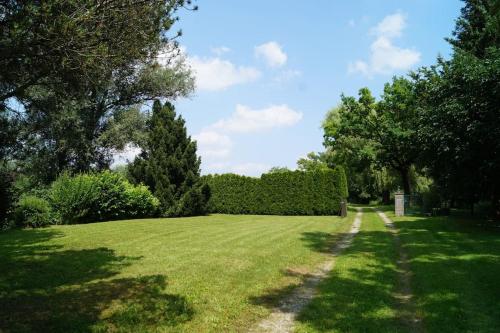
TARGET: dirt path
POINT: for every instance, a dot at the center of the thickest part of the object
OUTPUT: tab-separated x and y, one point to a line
404	296
282	318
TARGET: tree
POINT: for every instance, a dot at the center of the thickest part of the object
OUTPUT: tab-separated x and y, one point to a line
312	162
355	153
459	126
73	44
365	135
62	133
278	169
75	78
394	128
168	164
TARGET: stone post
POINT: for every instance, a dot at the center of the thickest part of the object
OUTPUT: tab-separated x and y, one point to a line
399	203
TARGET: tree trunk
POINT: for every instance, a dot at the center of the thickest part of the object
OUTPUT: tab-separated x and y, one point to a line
405	178
386	197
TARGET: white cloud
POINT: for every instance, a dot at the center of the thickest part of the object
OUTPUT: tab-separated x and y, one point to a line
385	57
287	75
213	74
272	53
248	169
391	26
246	120
220	50
212	144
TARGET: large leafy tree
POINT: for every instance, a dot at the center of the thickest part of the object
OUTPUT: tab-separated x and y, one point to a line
459	118
369	138
168	164
100	60
68	44
80	134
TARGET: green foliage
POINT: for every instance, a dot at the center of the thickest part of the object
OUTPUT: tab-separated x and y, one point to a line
283	193
168	164
278	169
100	197
313	162
459	123
32	211
79	69
193	203
6	182
341	182
139	202
71	45
75	198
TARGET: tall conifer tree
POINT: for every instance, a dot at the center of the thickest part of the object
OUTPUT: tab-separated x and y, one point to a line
169	164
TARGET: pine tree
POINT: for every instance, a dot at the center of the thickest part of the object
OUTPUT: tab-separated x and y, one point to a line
169	165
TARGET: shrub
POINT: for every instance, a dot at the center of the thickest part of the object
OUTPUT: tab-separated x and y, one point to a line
140	202
192	203
75	198
283	193
100	197
32	211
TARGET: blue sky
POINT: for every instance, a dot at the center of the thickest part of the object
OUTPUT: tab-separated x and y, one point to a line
268	71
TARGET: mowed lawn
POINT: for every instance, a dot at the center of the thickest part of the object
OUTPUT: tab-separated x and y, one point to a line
456	270
455	264
201	274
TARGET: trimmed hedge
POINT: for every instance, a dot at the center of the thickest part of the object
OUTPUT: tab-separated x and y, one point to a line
284	193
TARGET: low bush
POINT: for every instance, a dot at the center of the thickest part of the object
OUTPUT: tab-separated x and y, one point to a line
284	193
100	197
32	211
193	203
140	202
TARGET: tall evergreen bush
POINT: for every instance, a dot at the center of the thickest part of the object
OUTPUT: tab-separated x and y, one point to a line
168	164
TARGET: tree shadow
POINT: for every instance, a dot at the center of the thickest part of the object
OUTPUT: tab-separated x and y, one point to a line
358	299
455	265
44	288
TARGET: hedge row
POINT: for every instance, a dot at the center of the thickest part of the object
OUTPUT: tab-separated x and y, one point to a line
284	193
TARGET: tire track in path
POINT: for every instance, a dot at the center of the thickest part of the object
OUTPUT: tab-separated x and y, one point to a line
404	296
282	318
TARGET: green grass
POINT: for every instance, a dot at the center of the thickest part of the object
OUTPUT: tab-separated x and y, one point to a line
456	269
224	273
215	273
357	297
455	263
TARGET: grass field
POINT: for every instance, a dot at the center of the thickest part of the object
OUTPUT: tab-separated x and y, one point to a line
357	297
455	263
223	273
456	269
215	273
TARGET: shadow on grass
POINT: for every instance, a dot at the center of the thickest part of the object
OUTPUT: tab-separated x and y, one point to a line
358	299
44	288
455	266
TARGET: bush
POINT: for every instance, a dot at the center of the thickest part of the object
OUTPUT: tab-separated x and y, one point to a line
75	198
431	199
192	203
32	211
100	197
140	202
284	193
